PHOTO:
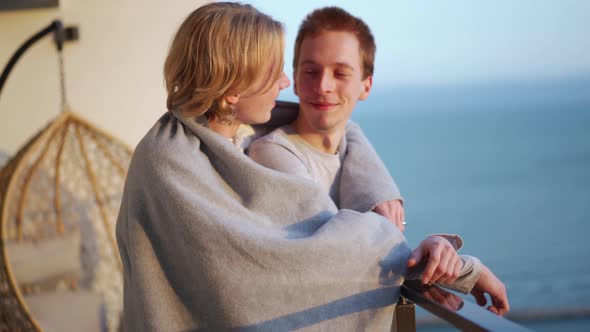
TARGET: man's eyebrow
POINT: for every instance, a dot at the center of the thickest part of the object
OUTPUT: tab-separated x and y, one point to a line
337	64
308	62
345	65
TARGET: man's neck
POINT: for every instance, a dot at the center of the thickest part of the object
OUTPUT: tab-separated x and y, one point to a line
326	142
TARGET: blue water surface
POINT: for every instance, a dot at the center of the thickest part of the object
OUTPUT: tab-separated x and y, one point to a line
513	179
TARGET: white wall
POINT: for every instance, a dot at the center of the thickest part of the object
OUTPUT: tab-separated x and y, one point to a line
113	73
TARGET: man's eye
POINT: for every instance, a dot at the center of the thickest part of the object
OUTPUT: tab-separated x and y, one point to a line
341	74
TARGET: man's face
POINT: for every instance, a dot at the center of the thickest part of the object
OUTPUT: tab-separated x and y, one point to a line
329	80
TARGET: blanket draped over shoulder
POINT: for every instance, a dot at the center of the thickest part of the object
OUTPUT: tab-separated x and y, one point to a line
210	240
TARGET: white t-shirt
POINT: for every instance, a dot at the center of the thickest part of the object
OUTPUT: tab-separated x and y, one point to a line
285	151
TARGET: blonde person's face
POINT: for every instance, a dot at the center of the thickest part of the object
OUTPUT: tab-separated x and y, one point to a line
254	108
329	81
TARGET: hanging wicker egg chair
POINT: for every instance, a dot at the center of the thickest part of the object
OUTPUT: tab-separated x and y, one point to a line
59	199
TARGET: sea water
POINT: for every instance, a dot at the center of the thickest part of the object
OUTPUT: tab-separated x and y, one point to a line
511	177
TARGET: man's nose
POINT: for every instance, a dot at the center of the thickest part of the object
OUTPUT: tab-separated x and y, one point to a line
284	81
326	83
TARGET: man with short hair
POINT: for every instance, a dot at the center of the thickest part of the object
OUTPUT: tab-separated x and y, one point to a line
332	71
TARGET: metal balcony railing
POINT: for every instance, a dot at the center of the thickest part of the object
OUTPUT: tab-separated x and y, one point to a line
464	315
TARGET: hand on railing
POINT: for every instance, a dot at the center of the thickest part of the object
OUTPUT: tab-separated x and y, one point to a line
435	260
490	284
444	264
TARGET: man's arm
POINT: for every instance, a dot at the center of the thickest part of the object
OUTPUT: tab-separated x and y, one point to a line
365	181
436	261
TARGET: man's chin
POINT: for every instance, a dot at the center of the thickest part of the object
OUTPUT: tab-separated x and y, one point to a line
323	126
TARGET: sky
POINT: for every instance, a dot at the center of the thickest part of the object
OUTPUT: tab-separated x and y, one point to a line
462	41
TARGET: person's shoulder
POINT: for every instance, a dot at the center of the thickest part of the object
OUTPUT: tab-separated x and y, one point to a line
168	156
278	144
167	140
276	151
278	136
169	133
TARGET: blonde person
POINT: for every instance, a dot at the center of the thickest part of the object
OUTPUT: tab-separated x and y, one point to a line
211	240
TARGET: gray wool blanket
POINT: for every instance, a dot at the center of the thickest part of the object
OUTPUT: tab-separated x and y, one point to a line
210	240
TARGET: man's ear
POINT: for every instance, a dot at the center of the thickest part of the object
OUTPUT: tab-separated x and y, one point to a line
232	99
366	86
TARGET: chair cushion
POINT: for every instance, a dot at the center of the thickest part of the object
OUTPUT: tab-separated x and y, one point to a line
67	311
41	261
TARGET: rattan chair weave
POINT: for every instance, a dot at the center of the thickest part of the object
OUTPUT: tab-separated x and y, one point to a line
68	178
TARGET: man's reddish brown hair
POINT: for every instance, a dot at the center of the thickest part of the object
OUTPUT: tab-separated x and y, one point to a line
337	19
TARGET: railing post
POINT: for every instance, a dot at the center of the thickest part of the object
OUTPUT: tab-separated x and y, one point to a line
404	319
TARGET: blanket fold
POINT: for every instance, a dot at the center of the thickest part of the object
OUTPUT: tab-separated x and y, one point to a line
211	240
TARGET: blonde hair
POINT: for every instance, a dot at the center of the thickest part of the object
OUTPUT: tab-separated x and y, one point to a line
220	49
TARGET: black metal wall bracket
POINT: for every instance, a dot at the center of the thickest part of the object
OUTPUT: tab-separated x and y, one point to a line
61	35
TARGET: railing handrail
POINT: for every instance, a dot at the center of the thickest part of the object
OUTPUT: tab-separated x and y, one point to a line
466	316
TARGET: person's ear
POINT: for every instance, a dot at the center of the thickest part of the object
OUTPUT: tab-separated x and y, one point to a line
366	86
232	99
